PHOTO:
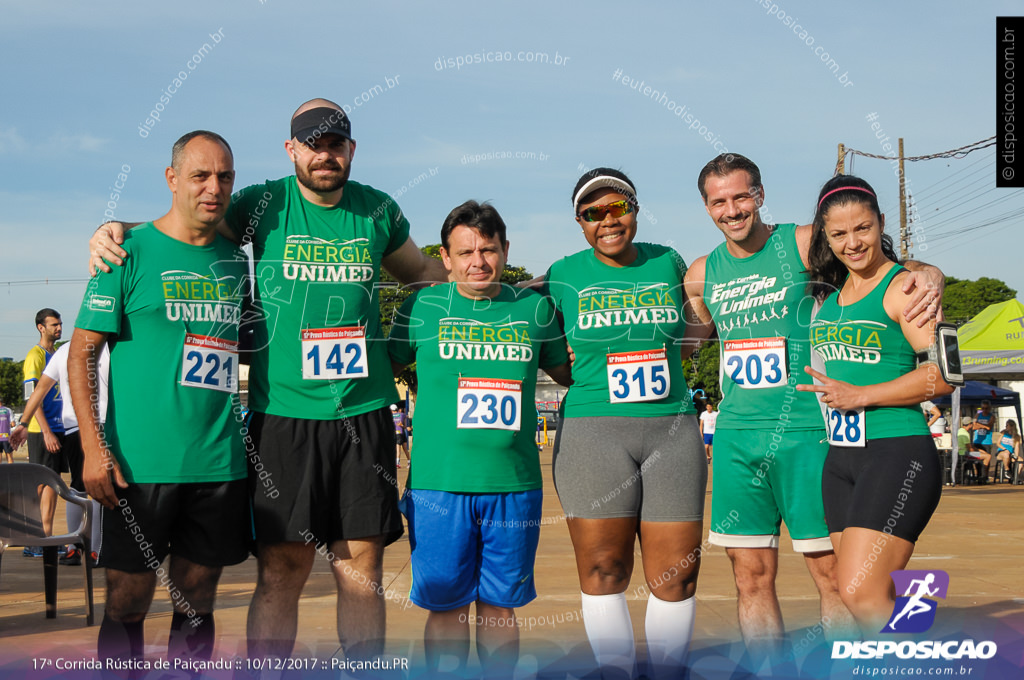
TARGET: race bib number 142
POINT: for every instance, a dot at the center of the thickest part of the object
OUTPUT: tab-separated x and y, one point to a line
334	353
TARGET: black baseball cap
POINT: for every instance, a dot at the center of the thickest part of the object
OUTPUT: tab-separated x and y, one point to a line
323	120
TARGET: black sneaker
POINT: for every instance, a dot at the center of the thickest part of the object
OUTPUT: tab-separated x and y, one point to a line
72	558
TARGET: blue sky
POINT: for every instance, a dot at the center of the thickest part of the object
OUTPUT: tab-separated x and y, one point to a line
80	78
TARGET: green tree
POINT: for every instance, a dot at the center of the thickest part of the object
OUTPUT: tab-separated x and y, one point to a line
701	371
963	299
11	390
393	294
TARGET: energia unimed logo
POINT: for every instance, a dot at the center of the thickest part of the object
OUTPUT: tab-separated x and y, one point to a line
914	611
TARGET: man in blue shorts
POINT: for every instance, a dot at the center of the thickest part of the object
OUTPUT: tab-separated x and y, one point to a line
474	499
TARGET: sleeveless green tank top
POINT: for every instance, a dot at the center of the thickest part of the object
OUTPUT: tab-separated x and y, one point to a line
861	345
762	311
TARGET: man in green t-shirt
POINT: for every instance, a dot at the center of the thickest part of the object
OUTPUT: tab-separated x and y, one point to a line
320	381
474	499
769	438
170	315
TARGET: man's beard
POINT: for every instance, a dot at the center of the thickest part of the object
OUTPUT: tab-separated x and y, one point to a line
323	185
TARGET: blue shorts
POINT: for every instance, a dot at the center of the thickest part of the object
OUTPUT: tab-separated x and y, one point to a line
709	438
469	547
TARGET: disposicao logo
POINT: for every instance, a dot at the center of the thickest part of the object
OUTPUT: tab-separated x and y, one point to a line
915	610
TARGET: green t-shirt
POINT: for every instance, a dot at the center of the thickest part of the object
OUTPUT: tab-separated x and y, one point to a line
761	309
861	345
624	325
476	364
319	352
171	314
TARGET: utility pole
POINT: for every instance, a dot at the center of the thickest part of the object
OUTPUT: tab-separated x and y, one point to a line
904	250
841	160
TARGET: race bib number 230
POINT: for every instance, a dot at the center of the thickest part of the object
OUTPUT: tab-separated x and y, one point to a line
334	353
489	404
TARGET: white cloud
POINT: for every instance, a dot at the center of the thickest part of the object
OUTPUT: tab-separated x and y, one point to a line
13	143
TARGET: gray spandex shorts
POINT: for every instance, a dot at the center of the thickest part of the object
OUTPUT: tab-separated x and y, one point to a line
651	468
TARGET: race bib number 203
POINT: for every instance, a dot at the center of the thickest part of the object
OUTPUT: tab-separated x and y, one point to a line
756	363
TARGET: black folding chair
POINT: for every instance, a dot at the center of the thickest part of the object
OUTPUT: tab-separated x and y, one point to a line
21	524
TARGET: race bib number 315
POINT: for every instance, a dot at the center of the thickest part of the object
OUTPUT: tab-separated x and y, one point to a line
209	363
756	363
334	353
638	376
489	404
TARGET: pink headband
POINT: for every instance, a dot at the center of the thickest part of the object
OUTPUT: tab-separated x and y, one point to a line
866	191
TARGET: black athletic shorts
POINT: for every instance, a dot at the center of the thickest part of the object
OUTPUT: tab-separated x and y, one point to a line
75	459
334	479
890	485
38	454
207	523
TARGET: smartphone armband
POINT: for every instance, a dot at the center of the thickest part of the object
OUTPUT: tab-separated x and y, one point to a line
945	351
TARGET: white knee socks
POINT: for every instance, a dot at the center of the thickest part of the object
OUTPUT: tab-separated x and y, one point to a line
610	631
669	628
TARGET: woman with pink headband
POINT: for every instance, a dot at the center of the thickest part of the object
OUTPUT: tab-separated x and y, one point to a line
882	478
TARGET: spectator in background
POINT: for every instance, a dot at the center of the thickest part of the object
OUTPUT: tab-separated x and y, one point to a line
984	425
1008	447
6	418
56	372
401	433
965	439
45	433
936	423
963	435
707	427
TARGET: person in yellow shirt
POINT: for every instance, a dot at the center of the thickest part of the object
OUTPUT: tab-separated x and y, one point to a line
46	430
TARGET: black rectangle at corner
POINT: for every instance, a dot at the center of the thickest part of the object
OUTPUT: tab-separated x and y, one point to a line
1009	77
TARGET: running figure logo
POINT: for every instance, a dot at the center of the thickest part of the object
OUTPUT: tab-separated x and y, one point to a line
914	613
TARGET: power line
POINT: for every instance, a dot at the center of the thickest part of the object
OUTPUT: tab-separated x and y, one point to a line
42	282
959	152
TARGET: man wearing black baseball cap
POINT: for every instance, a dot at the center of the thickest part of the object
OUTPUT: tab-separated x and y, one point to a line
320	445
315	122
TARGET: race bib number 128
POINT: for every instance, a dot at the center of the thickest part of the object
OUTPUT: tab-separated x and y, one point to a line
845	428
334	353
209	363
638	376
